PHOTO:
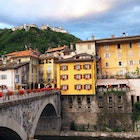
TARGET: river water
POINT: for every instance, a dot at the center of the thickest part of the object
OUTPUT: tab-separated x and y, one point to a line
79	138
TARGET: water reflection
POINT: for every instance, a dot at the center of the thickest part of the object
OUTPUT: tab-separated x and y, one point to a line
78	138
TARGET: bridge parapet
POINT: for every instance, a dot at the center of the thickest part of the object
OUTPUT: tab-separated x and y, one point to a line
22	113
18	97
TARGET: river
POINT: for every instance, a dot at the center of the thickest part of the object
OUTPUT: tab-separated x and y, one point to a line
79	138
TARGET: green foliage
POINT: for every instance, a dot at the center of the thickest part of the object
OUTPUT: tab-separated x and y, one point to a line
117	92
136	112
34	38
72	126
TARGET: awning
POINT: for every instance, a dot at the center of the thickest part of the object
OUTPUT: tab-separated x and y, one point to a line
101	82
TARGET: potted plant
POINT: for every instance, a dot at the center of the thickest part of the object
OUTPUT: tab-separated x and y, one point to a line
1	94
28	91
21	91
9	93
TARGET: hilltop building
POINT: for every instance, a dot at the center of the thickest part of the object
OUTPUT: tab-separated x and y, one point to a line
25	27
56	29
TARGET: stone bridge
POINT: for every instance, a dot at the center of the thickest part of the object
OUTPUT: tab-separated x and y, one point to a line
24	116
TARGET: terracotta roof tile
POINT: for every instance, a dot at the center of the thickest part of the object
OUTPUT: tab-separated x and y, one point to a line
55	49
29	53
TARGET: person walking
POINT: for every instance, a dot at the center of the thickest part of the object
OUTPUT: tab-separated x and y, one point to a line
5	91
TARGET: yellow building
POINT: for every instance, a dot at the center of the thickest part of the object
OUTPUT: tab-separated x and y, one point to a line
48	70
119	57
77	75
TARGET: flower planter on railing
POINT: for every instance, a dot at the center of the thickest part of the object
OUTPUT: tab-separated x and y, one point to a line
55	88
34	90
28	91
42	89
21	92
9	93
38	90
1	94
47	89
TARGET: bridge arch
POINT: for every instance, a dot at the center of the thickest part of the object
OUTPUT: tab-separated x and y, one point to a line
8	124
47	103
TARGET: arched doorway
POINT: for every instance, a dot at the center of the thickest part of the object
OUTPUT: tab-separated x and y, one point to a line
48	122
8	134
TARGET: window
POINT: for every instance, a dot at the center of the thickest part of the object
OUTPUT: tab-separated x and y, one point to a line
64	67
139	44
64	87
120	72
110	99
17	78
89	46
107	55
3	77
87	86
64	77
119	99
77	67
139	62
78	76
131	62
106	47
130	53
78	87
119	55
130	45
120	63
87	76
106	64
118	46
87	66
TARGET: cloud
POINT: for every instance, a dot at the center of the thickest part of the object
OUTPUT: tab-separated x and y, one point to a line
82	18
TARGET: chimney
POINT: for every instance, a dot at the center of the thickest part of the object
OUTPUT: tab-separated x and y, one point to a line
112	36
92	37
4	59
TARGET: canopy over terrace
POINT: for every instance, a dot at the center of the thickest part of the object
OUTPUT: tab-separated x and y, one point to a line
108	82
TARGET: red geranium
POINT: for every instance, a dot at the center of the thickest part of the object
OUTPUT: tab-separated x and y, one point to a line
21	92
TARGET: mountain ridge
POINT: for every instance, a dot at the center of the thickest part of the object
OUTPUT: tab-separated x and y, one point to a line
34	38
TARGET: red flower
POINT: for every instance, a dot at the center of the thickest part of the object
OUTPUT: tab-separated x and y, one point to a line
42	89
10	93
28	90
38	90
34	90
21	92
47	89
56	89
1	94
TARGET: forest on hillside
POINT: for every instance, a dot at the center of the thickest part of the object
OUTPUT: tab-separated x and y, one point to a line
34	38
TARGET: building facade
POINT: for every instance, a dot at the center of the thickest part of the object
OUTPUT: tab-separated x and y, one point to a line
77	75
119	57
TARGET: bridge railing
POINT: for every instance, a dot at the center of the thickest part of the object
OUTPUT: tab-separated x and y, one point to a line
24	94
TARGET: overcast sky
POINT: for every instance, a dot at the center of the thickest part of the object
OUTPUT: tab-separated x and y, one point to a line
82	18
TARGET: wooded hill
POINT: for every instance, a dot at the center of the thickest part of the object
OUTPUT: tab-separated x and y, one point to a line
34	38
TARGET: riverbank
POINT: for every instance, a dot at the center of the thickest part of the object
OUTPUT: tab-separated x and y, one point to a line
126	135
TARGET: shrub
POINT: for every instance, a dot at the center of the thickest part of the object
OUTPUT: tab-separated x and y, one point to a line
72	126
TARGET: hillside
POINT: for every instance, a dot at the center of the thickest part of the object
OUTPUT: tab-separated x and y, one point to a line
35	38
